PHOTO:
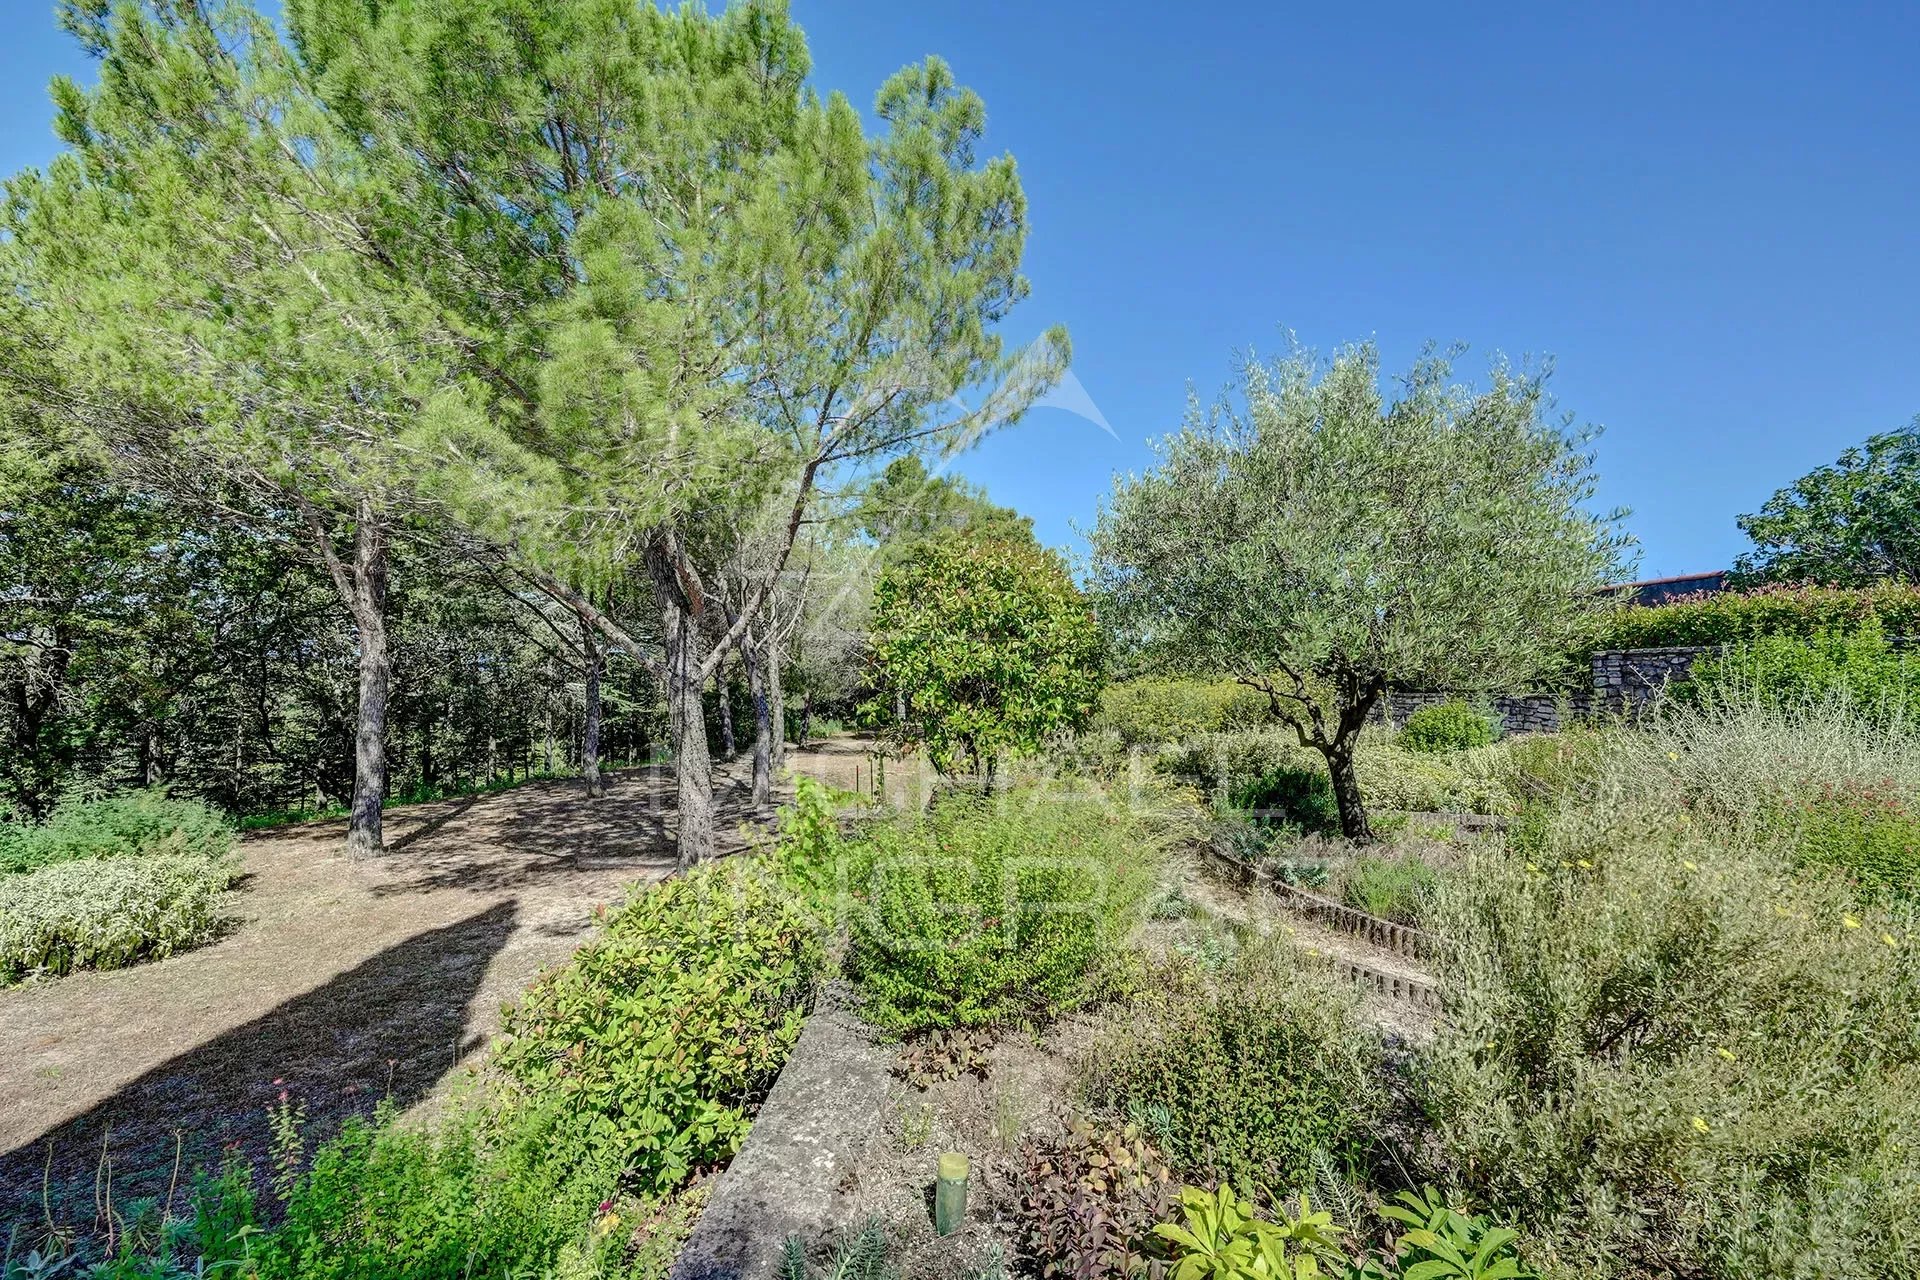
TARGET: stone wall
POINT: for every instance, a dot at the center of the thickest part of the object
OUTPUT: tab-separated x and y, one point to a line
1623	681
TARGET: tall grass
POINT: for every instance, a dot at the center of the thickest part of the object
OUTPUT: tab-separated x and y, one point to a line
1673	1045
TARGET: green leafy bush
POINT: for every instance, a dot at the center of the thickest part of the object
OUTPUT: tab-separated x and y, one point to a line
654	1040
1859	668
1302	793
1157	710
1668	1049
129	824
1450	726
1391	888
387	1201
996	909
1731	617
1867	831
1245	1075
106	915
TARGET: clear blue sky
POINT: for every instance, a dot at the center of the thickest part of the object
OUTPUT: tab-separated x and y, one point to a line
1711	220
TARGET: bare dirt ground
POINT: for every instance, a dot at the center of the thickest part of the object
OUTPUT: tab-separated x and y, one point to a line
339	982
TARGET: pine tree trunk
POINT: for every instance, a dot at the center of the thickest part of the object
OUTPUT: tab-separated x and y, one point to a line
686	715
724	695
762	725
590	730
776	707
369	603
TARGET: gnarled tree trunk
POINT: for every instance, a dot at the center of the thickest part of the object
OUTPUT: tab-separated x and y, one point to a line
777	706
729	748
762	724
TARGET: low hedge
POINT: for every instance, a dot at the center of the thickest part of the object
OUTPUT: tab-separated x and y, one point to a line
655	1039
1729	617
106	915
129	824
1156	709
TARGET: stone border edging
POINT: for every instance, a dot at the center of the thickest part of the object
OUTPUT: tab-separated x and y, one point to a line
1395	986
1402	939
820	1114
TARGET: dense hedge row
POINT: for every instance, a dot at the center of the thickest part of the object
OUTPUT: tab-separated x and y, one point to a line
1729	617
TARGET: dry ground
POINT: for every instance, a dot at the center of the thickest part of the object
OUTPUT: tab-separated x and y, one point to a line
339	982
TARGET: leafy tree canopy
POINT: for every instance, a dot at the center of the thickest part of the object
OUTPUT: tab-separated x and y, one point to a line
906	504
1850	524
1319	542
993	646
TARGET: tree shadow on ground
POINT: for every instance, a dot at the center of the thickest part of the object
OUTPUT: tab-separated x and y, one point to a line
392	1026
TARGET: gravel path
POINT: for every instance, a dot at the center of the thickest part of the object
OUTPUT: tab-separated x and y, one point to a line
339	982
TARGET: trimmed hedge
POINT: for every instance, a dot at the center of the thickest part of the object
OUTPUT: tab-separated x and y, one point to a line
108	914
1731	617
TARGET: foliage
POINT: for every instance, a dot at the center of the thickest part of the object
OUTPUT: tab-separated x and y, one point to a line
992	646
106	915
1154	710
861	1256
1322	543
1479	780
1730	617
906	505
1867	831
1859	666
1668	1048
1848	524
944	1054
1088	1201
1302	794
989	910
652	1041
1442	1243
1450	726
1221	1237
386	1201
1390	888
1255	1070
130	824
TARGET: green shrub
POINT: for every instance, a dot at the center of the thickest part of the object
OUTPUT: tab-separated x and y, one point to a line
1731	617
1866	831
1156	710
106	915
1469	781
1391	888
1243	1077
1667	1048
1450	726
1302	794
658	1035
997	909
387	1201
129	824
1857	667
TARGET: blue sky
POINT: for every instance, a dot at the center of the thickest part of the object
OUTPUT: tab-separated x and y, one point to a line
1708	215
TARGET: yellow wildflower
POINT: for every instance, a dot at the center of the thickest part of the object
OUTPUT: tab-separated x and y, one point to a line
1849	921
1689	864
1725	1052
1700	1125
1531	867
1783	913
1584	865
1889	939
1674	756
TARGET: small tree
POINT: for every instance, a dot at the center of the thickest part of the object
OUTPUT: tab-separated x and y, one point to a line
993	645
1319	543
1849	524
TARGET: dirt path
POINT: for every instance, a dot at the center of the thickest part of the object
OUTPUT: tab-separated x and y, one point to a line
340	982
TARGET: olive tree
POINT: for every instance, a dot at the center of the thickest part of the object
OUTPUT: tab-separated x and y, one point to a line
1320	542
